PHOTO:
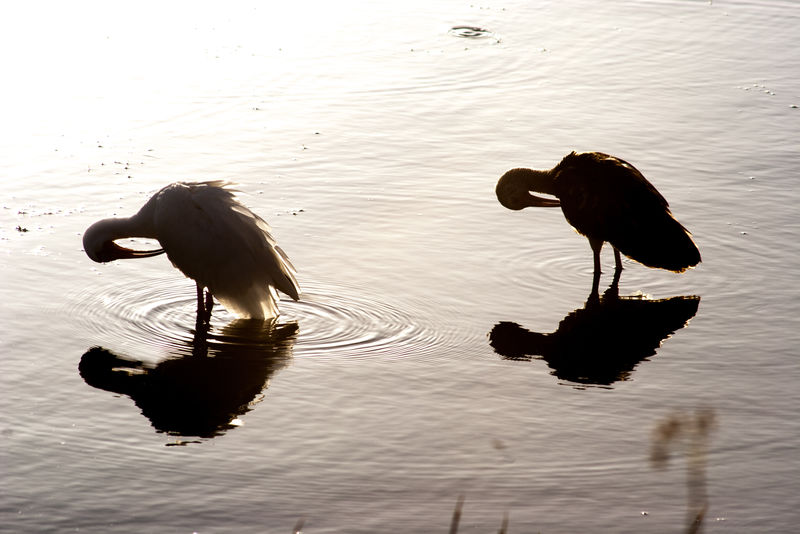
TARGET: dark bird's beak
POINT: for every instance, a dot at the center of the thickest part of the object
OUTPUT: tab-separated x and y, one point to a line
515	189
542	202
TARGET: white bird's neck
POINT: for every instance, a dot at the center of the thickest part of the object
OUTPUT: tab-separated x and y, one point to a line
139	225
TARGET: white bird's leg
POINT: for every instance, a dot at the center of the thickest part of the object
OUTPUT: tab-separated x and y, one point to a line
209	303
617	259
204	304
596	245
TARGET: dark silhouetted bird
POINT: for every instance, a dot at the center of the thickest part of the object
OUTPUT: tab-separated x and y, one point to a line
606	199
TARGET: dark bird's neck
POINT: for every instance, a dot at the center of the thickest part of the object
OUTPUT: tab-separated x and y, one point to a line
534	180
514	188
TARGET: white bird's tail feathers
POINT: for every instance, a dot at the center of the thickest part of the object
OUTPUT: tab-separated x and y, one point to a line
276	272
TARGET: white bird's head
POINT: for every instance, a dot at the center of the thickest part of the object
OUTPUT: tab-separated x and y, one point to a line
99	245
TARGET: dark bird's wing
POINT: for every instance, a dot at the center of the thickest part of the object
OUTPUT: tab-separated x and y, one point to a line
607	198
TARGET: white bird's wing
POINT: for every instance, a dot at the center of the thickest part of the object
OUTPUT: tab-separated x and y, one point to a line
217	241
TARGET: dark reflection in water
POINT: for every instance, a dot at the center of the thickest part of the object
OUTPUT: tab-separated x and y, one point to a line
602	342
205	387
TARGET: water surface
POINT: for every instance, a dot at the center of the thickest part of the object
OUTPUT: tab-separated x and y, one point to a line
370	137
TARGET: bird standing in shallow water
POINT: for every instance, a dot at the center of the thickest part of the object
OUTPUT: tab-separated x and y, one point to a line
213	239
606	199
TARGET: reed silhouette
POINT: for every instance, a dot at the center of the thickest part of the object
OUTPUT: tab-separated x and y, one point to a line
456	519
687	435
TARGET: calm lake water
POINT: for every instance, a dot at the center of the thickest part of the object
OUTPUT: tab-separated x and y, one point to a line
370	135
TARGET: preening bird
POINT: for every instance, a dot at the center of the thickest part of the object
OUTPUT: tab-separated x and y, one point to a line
213	239
606	199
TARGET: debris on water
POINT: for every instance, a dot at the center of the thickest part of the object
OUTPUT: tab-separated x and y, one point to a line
470	32
292	211
181	443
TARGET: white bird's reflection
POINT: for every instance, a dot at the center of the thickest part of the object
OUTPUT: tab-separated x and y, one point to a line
202	390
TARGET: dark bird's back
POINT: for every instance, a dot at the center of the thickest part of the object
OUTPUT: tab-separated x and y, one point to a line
608	199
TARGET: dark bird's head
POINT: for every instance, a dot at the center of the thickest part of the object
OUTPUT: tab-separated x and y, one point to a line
514	189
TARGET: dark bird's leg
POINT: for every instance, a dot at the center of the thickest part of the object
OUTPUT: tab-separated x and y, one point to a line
617	259
613	289
595	285
596	245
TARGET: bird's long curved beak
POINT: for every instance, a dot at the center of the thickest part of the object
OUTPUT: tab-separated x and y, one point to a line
111	251
142	253
542	202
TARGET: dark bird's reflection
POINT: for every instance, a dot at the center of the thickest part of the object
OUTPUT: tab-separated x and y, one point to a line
602	342
202	390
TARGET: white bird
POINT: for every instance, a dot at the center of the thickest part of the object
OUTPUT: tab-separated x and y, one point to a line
213	239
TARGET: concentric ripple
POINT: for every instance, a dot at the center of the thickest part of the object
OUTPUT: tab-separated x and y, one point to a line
554	263
157	314
333	321
353	326
565	262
